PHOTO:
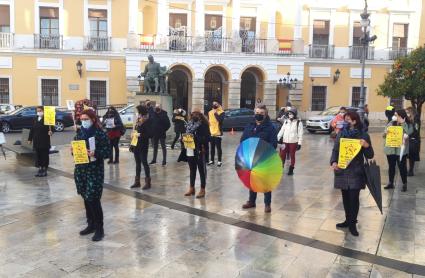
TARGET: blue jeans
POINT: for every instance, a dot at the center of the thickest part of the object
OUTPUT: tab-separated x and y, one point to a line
267	197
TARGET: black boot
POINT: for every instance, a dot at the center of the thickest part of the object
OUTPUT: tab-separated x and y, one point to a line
90	222
136	183
353	229
291	170
43	172
404	188
98	220
410	174
389	186
342	224
38	173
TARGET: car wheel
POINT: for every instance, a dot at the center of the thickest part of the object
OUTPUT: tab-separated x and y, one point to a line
59	126
6	127
311	131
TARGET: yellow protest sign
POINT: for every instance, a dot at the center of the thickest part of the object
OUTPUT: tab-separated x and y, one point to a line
49	115
79	150
348	149
134	138
394	137
188	141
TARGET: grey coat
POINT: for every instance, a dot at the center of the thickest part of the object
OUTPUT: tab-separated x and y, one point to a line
353	177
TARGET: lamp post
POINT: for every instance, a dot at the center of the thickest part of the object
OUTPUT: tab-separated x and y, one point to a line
365	40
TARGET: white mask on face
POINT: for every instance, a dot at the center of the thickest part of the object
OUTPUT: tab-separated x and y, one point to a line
40	114
291	116
394	118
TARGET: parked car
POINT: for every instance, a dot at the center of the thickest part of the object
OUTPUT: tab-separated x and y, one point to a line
6	108
127	115
322	122
24	117
237	118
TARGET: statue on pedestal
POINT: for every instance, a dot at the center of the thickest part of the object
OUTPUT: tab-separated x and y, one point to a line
151	75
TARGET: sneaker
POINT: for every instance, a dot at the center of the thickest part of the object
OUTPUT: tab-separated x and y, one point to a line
219	164
211	163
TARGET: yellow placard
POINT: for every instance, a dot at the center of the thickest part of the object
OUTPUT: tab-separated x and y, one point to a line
188	141
49	115
348	149
394	137
79	150
134	138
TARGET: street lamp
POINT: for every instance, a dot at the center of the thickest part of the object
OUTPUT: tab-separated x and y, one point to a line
366	39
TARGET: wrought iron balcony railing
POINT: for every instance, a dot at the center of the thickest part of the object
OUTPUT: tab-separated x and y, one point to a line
97	43
47	41
395	53
356	52
321	51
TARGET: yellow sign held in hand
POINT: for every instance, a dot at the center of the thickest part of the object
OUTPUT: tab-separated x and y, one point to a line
134	138
49	115
394	137
188	141
348	149
79	150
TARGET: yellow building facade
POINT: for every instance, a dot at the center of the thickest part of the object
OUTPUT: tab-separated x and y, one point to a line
237	52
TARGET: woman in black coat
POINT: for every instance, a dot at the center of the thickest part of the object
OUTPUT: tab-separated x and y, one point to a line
179	120
414	140
197	127
114	129
40	138
352	179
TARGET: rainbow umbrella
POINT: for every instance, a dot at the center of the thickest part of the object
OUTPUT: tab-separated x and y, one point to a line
258	165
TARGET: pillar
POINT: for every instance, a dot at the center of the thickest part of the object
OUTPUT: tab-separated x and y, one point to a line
234	94
236	16
163	23
200	18
198	87
133	37
269	97
298	44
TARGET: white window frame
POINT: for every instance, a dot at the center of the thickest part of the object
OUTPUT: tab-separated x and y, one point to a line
37	5
11	4
316	14
256	15
59	88
222	14
107	7
400	18
10	87
188	16
350	95
98	79
311	96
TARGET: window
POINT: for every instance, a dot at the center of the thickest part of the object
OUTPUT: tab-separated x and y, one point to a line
357	33
49	22
178	21
400	35
4	90
98	92
213	22
318	98
50	92
398	102
355	96
247	33
321	32
4	19
98	20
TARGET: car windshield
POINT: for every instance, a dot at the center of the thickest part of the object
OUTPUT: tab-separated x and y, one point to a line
17	111
330	111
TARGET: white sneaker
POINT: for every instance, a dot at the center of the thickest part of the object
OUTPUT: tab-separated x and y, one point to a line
211	163
219	164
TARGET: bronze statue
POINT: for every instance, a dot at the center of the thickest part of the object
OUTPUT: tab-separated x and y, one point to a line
164	72
151	75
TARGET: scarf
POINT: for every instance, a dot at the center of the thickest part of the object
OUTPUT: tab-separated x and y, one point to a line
87	133
192	126
350	133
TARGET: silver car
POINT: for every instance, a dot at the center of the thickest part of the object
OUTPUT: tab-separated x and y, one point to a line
322	122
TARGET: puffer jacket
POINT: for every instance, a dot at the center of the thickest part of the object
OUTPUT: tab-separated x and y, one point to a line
291	131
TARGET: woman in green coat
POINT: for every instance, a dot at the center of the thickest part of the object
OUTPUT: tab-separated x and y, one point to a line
89	177
398	156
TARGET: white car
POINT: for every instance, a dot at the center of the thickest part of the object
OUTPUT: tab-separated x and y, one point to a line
128	115
6	108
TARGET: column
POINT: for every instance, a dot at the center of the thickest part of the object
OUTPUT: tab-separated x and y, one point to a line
298	44
198	87
163	23
199	18
271	30
236	16
234	94
269	97
133	12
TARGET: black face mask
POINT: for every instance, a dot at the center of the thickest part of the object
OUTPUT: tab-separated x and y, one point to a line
259	117
158	110
215	106
195	119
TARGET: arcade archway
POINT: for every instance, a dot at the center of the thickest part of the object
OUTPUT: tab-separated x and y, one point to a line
251	88
180	86
215	87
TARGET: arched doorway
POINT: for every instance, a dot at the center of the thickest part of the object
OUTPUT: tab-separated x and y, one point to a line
214	87
251	88
179	85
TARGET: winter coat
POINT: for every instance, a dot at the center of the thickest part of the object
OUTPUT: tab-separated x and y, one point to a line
160	123
39	134
89	177
179	123
415	141
337	122
201	137
291	132
407	130
114	132
353	177
264	131
145	130
216	118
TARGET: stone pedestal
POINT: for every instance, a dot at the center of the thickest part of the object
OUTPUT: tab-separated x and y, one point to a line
198	94
234	94
269	97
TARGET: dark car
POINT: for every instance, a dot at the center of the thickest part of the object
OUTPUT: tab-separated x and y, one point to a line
237	119
24	117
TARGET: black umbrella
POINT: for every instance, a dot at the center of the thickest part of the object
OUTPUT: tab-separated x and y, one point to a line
373	181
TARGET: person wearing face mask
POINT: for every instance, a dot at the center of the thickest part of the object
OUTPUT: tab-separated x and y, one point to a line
89	177
179	120
414	140
352	179
216	118
161	124
143	128
291	135
115	129
39	136
398	156
261	128
198	129
338	121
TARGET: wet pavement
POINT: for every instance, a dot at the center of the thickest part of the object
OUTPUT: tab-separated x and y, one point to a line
161	233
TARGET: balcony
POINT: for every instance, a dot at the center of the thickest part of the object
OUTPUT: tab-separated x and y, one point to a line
356	52
97	43
6	40
395	53
321	51
47	41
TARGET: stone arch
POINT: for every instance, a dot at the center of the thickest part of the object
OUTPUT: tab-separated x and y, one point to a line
252	87
180	85
216	86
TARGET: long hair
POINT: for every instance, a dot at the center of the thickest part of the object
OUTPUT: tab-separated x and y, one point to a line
92	115
355	117
111	112
201	116
402	113
412	112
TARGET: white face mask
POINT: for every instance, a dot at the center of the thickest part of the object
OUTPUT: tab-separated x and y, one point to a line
394	118
40	114
291	116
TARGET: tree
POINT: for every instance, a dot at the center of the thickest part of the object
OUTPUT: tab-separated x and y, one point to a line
407	79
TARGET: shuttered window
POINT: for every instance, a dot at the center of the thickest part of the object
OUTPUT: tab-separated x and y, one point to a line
98	92
4	19
4	90
355	96
50	92
318	98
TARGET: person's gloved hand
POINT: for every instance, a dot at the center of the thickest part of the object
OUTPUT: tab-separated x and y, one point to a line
298	147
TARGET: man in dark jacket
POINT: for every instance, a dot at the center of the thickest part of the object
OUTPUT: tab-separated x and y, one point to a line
160	123
179	120
262	128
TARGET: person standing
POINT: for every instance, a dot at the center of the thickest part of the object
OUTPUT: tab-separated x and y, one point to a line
390	111
179	120
143	128
115	129
89	177
216	118
291	134
39	136
198	130
352	179
161	123
261	128
414	140
338	121
398	156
